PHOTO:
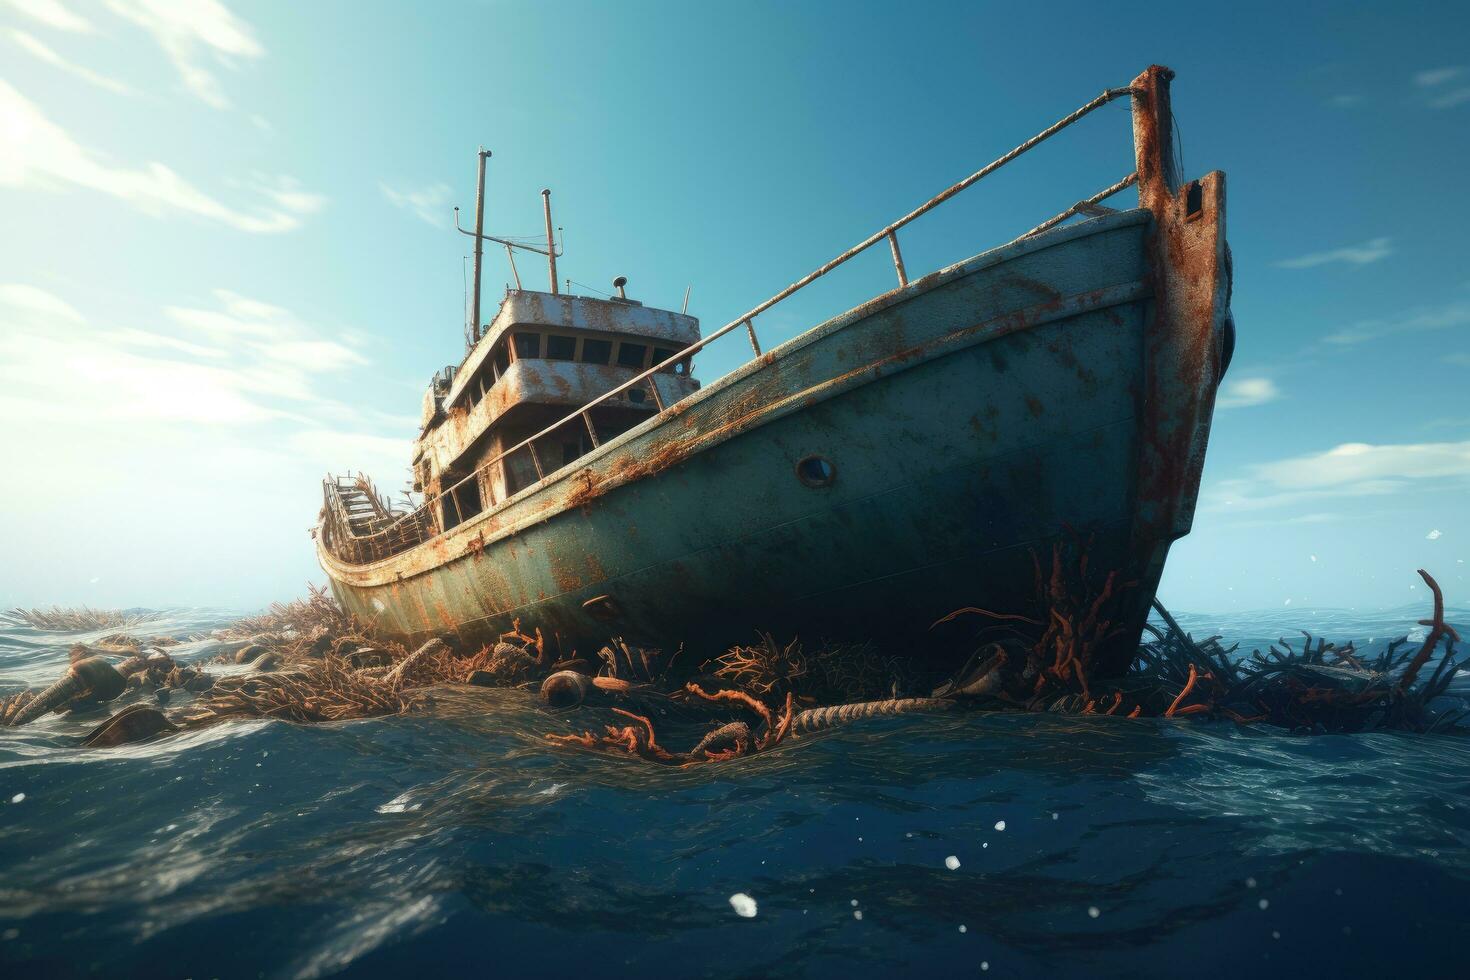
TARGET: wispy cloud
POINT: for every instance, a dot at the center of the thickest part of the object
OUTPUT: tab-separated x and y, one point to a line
1435	80
1458	358
287	193
37	48
39	153
1453	314
239	362
1431	77
53	14
1353	469
1367	252
192	34
35	303
430	204
1345	100
271	333
1247	392
1450	99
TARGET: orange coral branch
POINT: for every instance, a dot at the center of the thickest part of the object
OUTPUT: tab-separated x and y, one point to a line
1438	630
1188	687
738	696
976	611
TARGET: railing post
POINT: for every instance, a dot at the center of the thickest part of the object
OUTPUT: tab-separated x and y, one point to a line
591	430
536	461
750	330
653	390
903	277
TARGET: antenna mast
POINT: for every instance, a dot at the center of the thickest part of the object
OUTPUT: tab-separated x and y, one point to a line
551	250
479	248
550	238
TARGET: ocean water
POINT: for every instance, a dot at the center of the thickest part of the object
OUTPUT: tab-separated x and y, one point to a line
459	840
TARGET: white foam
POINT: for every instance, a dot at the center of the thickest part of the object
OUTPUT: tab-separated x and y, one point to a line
743	905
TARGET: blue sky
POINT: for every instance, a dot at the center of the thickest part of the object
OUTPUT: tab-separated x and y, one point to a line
227	264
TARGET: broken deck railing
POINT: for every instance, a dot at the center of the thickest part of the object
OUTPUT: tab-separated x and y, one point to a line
421	524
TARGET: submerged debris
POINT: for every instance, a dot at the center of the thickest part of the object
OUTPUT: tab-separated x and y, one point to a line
81	619
87	680
307	662
1316	688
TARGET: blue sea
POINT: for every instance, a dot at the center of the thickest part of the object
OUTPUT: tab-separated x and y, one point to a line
460	841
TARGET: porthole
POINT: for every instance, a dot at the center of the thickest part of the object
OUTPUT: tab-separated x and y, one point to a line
816	471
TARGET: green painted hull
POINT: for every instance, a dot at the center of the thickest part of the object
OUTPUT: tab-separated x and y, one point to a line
972	418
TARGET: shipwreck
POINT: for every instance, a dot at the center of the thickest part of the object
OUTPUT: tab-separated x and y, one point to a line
908	457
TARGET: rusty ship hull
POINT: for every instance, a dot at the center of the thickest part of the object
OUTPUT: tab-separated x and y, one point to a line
912	456
969	420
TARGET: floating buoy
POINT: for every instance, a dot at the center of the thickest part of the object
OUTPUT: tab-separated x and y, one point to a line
566	689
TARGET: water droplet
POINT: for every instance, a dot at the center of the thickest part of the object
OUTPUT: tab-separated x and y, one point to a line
743	905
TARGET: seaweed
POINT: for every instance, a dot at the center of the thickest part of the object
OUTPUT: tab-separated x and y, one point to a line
82	619
1317	687
312	662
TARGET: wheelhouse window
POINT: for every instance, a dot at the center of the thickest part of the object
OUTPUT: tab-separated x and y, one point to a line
661	354
561	348
502	360
631	355
596	351
528	345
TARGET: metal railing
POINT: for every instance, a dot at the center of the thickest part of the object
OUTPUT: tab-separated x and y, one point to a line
418	528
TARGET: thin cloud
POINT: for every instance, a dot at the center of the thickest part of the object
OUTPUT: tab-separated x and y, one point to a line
40	50
40	153
255	364
1454	314
271	333
1438	76
1458	358
430	204
1364	254
288	193
1353	469
192	33
53	14
1247	393
1450	99
35	303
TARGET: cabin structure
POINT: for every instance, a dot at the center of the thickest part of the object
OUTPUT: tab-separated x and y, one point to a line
543	356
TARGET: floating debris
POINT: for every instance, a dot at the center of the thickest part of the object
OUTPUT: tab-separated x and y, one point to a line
82	619
309	662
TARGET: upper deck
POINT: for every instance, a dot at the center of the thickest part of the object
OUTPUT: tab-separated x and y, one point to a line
542	354
525	308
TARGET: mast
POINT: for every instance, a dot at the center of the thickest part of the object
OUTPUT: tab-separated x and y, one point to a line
550	239
479	248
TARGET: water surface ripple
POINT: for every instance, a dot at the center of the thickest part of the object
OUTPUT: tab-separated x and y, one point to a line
460	840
